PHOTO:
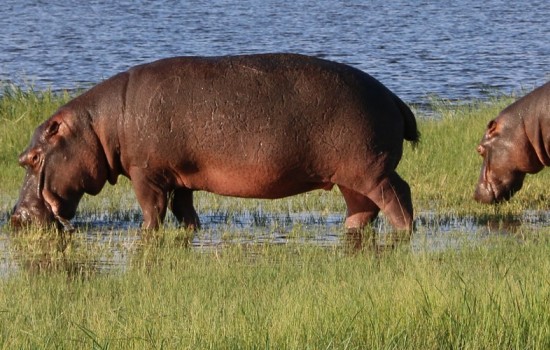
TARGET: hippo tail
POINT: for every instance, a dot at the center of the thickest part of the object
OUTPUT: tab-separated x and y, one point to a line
411	132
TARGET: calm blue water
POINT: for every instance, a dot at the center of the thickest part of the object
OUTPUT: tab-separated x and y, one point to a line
454	49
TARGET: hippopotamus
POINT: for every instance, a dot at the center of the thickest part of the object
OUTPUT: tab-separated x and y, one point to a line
516	143
252	126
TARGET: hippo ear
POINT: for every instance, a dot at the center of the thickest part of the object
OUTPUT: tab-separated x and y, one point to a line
491	129
51	129
56	126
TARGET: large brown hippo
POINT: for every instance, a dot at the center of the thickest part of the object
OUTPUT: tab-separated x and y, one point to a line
261	126
515	143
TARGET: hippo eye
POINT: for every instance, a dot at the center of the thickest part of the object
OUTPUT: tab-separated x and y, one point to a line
35	158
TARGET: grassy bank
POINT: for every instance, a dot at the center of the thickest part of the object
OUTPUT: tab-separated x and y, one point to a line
490	296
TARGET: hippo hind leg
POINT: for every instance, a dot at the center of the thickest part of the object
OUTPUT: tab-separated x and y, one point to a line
393	197
361	209
182	207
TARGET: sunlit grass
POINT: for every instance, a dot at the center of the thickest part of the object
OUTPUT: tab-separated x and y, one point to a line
21	111
490	294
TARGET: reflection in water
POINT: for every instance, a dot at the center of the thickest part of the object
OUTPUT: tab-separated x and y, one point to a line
103	244
39	250
368	241
496	224
46	251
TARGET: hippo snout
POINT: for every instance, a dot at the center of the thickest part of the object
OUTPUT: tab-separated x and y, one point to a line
19	218
23	216
484	194
491	193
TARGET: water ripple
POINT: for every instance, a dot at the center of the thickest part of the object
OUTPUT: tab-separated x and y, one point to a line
454	49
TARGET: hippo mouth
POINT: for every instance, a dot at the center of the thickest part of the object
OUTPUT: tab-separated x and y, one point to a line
485	193
490	193
61	221
38	210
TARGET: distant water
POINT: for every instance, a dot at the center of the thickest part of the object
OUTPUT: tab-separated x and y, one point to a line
452	49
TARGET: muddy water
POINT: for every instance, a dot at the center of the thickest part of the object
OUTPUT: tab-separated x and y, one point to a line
107	241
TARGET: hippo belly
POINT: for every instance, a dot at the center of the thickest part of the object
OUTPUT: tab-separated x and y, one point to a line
254	183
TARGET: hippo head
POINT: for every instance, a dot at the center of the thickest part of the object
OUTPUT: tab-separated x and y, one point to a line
63	161
507	157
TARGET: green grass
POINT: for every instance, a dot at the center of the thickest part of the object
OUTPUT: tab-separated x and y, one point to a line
490	291
494	295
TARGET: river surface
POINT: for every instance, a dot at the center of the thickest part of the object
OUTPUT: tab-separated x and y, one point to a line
456	50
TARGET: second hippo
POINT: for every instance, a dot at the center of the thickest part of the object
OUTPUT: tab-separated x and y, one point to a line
516	143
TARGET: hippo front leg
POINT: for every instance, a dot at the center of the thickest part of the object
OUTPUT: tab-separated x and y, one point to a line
182	207
152	199
393	197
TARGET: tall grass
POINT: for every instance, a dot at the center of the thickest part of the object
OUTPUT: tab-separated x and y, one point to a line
490	296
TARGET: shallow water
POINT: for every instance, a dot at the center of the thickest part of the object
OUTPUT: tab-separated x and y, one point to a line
107	242
457	50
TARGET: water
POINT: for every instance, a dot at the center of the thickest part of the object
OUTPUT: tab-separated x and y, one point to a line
456	50
111	241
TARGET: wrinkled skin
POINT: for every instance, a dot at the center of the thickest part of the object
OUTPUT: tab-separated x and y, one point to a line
515	143
259	126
